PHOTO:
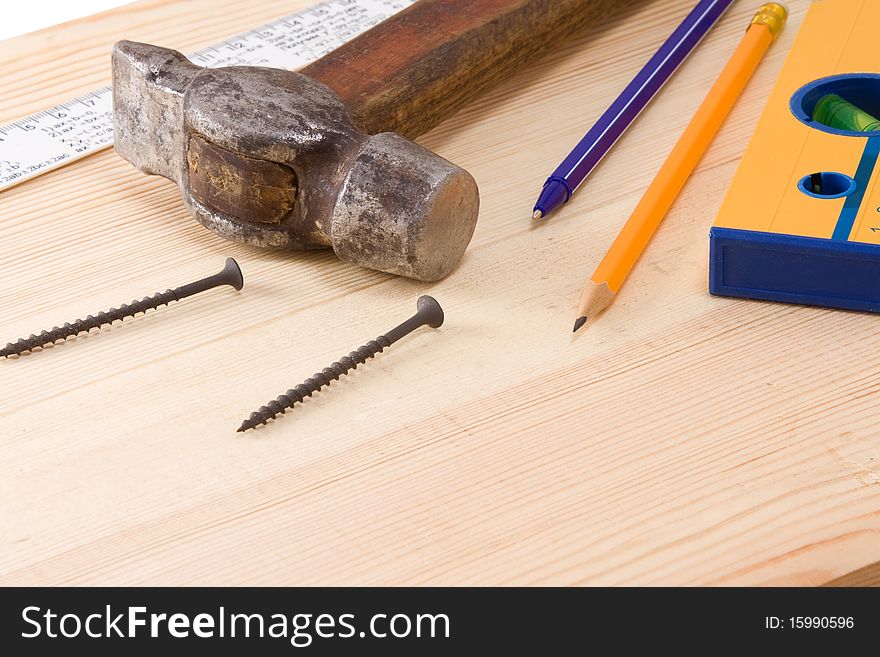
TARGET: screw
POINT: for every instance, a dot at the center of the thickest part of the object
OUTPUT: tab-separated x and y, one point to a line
230	275
428	311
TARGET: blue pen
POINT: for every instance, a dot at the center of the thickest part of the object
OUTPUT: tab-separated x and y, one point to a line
628	105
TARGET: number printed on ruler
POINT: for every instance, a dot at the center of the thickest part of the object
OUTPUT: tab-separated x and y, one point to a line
64	133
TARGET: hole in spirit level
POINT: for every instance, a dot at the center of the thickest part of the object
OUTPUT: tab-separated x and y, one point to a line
827	184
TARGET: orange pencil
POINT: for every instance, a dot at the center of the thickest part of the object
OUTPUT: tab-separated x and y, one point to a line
633	238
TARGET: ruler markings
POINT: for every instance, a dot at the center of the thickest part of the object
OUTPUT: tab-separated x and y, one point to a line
66	132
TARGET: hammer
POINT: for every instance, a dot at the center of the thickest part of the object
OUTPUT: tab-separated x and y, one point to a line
323	157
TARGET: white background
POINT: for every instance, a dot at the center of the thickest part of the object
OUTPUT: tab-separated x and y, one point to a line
20	16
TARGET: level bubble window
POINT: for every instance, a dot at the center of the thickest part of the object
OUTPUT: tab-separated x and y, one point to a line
847	105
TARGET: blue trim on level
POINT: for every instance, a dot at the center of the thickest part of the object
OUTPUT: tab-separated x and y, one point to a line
804	270
854	201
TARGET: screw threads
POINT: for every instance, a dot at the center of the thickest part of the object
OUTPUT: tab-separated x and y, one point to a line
85	325
230	275
317	381
428	313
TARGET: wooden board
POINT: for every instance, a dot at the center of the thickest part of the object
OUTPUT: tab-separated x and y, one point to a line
682	439
867	576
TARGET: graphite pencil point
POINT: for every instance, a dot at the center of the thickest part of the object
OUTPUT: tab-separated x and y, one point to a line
579	322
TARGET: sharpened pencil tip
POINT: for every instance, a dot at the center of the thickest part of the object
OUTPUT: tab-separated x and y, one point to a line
537	214
579	322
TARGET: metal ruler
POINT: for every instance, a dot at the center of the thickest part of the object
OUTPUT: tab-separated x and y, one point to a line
70	131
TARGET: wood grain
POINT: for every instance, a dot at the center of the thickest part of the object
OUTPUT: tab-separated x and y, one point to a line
426	62
867	576
238	185
684	439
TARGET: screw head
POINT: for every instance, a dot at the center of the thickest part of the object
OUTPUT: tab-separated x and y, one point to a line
232	275
430	310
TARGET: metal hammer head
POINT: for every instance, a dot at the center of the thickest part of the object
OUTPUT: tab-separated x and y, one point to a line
271	157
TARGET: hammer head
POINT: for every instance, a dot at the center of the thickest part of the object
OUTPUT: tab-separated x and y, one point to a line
270	157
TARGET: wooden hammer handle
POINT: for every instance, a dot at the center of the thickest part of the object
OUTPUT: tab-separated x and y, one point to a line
421	65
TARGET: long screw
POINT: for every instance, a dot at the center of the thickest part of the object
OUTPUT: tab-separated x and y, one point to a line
428	311
230	275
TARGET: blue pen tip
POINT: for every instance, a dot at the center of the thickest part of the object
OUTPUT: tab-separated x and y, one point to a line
537	214
553	195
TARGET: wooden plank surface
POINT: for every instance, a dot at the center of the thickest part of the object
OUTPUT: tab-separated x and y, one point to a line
867	576
682	439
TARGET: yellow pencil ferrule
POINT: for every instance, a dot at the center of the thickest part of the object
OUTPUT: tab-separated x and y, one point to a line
773	16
